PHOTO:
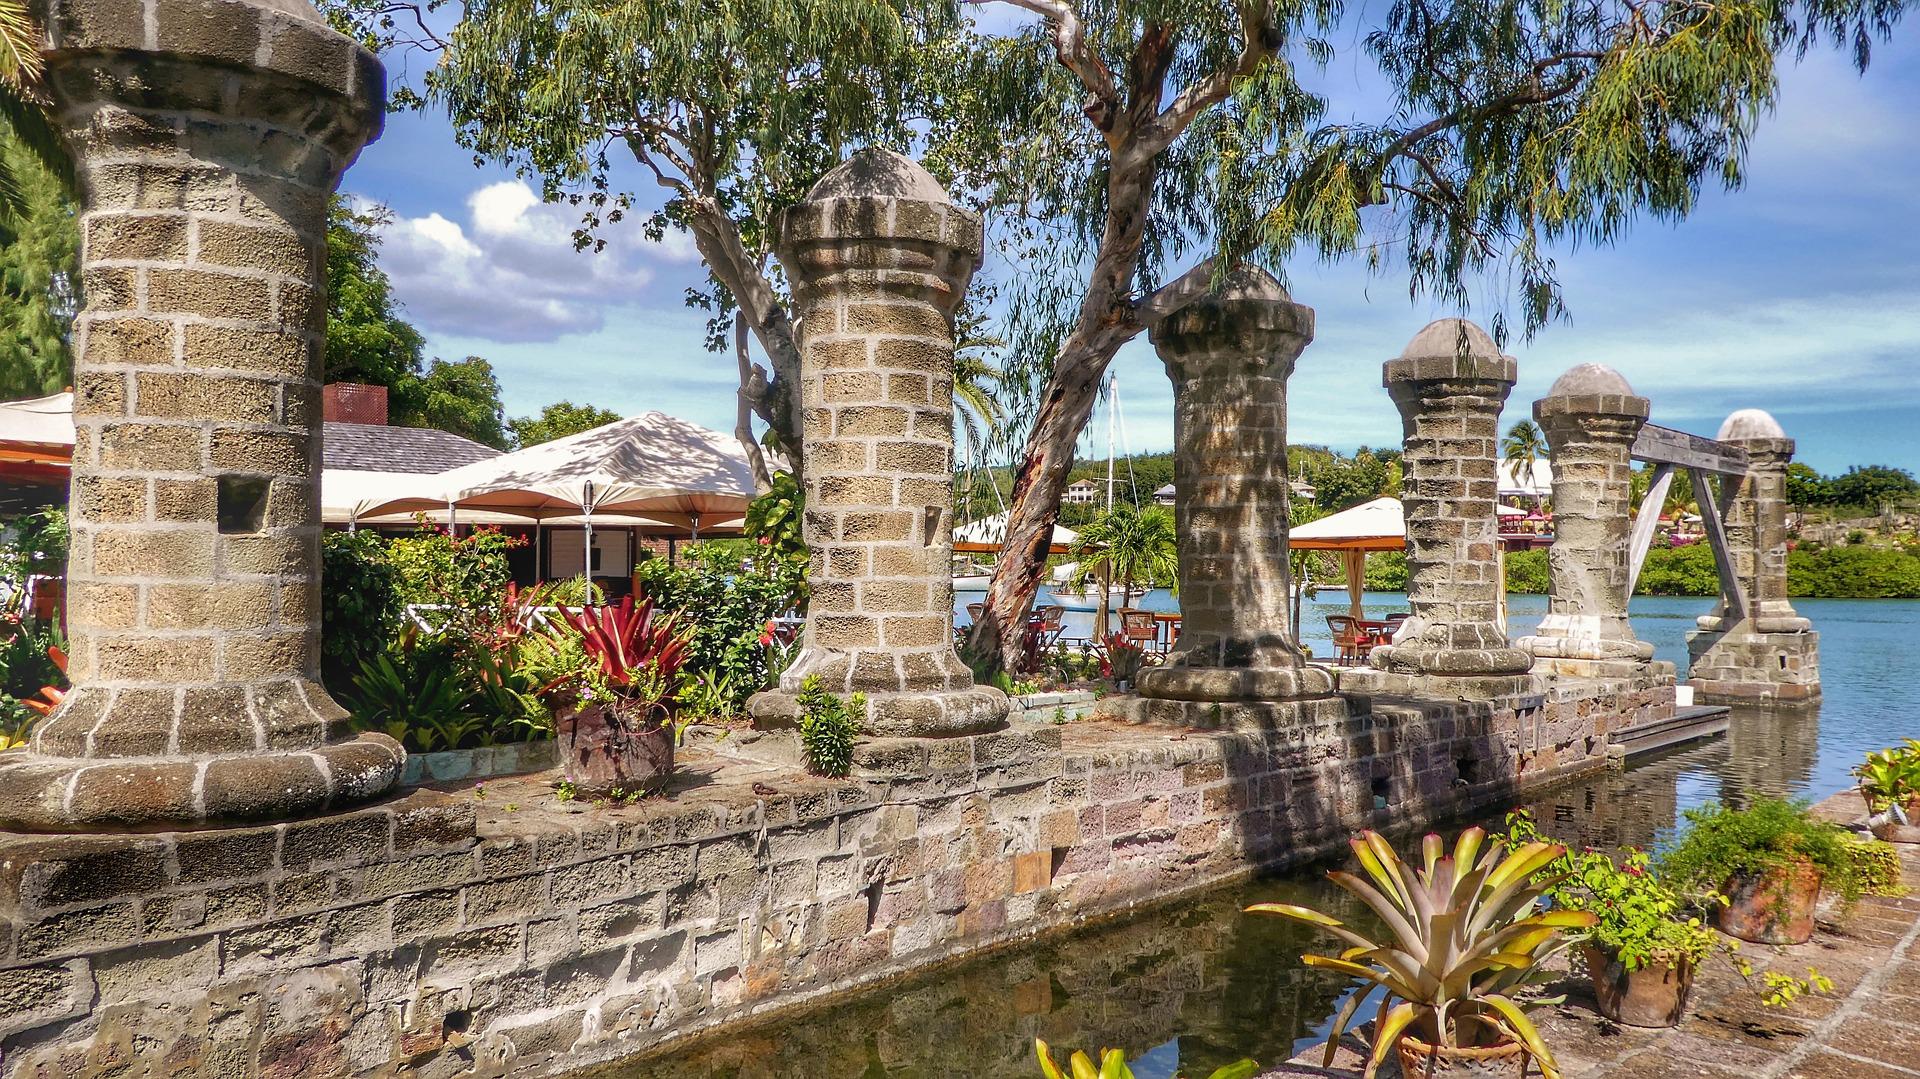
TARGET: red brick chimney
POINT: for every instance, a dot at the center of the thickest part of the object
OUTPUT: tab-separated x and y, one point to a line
354	402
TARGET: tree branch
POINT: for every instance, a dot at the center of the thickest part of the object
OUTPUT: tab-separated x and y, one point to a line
1071	48
1255	45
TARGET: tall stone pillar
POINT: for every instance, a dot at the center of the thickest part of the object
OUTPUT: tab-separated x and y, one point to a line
1766	652
208	135
879	258
1591	418
1449	385
1229	357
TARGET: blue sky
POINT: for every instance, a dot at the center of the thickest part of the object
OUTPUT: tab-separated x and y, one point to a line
1799	294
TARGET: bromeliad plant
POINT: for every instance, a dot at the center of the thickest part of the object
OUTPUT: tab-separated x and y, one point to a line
1465	933
634	655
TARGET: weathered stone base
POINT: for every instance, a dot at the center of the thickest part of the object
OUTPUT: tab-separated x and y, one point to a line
1742	666
502	932
1549	646
932	714
1235	683
1413	659
1226	715
1638	673
1447	687
66	794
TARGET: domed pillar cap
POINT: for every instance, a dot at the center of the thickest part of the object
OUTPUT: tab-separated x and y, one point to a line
1591	388
1451	348
1757	430
877	194
287	38
1251	303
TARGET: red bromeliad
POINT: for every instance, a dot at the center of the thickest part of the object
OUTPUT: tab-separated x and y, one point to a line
629	641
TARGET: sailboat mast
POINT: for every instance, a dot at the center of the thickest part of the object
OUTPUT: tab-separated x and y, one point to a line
1110	431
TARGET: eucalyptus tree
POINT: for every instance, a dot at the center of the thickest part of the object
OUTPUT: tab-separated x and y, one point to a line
732	108
1140	146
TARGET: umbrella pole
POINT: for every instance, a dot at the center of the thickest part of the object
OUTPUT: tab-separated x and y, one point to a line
539	553
1356	580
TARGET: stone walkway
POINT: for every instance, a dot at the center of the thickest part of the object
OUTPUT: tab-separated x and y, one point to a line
1865	1029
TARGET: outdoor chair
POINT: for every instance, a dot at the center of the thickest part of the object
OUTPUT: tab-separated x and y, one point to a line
1137	628
1052	621
1350	641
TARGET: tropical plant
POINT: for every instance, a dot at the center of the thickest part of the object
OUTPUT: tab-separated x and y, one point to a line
1890	779
1464	932
460	578
827	727
1113	1065
1877	865
1125	545
1523	448
1641	919
415	693
978	382
1722	843
1122	659
20	101
774	521
359	601
727	602
638	652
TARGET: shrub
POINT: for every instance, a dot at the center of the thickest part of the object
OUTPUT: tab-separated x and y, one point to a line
1387	571
1770	834
827	727
359	602
1877	865
728	600
1680	571
465	574
1527	572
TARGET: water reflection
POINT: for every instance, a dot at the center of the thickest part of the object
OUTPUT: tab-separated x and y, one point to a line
1196	984
1183	990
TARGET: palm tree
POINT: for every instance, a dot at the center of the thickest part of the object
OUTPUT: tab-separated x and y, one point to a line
977	382
21	115
1127	544
1524	446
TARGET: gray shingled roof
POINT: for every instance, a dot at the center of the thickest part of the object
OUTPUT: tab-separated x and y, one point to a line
375	448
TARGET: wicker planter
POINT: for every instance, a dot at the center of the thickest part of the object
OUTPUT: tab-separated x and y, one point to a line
1508	1060
1653	996
1774	907
603	751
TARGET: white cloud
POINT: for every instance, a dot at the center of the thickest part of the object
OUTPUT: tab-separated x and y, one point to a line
510	271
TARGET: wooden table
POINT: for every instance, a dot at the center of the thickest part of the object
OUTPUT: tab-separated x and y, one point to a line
1166	631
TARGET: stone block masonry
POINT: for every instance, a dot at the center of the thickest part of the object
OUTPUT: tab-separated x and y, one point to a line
489	930
880	257
207	135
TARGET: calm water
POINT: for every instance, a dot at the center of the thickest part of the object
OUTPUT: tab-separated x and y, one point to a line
1189	986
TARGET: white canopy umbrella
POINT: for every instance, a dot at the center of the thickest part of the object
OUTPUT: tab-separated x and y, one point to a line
40	421
672	472
1505	510
1379	525
989	534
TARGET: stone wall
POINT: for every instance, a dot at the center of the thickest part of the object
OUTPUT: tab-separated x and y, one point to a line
492	930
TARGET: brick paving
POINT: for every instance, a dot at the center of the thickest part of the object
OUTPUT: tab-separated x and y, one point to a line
1864	1029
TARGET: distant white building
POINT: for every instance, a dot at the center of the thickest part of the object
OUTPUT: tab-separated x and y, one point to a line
1519	481
1081	492
1303	490
1163	496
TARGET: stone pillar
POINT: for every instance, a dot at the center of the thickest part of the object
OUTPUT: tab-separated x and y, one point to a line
1590	418
1229	357
1449	385
1766	652
879	258
208	135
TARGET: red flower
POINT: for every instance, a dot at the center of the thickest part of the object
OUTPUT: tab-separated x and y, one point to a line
766	541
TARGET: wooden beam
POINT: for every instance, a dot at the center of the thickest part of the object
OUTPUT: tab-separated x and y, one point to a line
1732	592
1646	522
1666	446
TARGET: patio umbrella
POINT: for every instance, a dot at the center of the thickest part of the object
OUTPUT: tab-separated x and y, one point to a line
989	534
1379	525
665	469
36	438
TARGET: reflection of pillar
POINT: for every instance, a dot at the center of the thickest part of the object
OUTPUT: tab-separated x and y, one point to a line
879	258
1766	652
1590	418
1770	751
1229	357
207	138
1449	385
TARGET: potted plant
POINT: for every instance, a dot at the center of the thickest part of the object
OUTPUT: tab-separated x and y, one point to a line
1890	785
1122	662
1464	932
1764	865
614	713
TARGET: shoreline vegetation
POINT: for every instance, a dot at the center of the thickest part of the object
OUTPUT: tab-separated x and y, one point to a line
1849	572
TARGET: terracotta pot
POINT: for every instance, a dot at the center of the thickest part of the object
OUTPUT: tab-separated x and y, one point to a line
1896	833
604	752
1774	907
1653	996
1508	1060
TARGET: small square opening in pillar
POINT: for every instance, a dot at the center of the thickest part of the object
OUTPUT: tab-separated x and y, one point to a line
932	525
1382	791
241	505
